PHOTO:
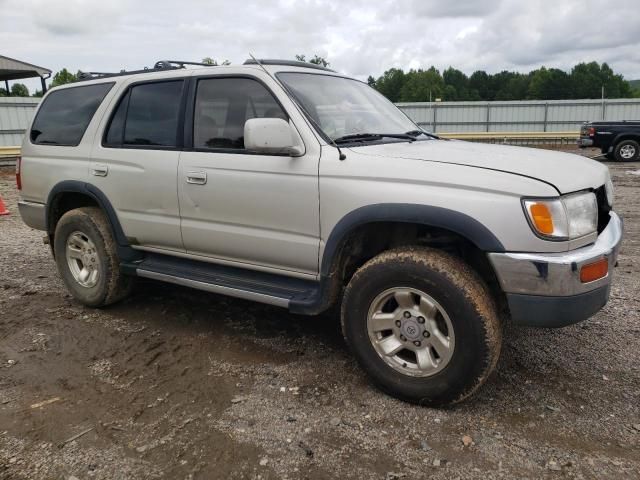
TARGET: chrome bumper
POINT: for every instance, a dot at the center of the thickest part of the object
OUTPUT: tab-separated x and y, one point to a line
584	142
544	289
558	274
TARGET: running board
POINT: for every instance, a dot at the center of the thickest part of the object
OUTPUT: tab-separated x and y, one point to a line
235	282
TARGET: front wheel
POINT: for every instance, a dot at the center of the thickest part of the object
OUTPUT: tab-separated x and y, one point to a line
422	324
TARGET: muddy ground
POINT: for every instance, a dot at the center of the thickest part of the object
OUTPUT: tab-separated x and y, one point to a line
176	383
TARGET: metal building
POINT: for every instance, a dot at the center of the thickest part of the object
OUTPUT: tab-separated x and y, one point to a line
15	114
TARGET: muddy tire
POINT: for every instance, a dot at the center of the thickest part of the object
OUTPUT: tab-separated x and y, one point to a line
627	151
87	259
423	325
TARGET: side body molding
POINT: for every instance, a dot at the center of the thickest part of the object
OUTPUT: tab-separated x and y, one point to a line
457	222
125	251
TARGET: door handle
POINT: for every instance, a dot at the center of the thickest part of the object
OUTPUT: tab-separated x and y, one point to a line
100	170
197	178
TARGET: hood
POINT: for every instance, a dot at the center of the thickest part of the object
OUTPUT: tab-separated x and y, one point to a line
565	171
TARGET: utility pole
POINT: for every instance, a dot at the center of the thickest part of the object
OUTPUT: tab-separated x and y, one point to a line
603	112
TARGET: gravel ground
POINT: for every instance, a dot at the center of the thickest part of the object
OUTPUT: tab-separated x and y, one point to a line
175	383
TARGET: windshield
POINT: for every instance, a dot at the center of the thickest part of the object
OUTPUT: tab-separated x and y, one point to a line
342	106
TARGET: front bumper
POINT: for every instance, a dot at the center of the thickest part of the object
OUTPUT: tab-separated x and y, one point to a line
585	142
544	289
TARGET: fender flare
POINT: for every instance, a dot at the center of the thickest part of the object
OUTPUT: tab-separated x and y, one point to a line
624	136
460	223
74	186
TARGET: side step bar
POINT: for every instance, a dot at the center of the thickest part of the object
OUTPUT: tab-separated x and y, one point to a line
235	282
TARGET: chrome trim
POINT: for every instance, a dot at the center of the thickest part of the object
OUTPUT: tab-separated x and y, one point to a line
33	214
208	287
558	274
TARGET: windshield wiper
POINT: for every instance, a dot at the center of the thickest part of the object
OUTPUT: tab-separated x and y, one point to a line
373	136
417	133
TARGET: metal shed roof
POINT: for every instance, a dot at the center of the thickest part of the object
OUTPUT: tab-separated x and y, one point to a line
11	69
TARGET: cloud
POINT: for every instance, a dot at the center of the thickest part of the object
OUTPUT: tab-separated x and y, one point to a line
75	17
455	8
359	37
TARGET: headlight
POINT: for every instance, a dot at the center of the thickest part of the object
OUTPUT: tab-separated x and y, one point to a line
565	218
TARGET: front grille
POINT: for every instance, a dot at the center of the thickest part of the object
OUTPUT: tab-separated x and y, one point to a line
603	208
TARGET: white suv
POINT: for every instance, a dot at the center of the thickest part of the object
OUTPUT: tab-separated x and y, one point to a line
290	184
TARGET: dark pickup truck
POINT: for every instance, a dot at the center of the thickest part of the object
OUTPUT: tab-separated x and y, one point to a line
617	140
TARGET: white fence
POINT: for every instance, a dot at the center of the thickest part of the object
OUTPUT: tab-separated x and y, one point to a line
518	116
442	117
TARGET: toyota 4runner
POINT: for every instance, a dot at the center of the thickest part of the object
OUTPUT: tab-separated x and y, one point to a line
293	185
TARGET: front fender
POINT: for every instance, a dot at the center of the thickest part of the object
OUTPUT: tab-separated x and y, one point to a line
429	215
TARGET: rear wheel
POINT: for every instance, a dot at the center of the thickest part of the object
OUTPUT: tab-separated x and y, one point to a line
87	259
422	324
627	151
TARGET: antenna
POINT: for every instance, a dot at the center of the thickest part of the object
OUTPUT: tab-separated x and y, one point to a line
341	155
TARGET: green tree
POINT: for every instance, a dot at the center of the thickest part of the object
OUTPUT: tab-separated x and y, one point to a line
585	81
509	85
19	90
457	84
63	77
390	83
479	81
3	92
422	86
549	84
316	60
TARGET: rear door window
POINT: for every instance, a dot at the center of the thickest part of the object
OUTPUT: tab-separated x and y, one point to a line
65	114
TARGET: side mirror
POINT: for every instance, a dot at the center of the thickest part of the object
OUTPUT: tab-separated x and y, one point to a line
272	135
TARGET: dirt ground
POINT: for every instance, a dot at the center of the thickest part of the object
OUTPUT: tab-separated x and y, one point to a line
175	383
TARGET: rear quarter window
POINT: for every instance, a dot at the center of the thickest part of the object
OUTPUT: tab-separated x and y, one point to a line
66	113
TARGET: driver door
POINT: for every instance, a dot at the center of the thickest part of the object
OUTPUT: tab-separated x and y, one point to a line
254	210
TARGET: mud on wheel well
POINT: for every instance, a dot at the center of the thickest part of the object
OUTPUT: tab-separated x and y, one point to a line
369	240
64	202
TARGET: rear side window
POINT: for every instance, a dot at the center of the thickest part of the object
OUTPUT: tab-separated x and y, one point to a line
147	115
66	113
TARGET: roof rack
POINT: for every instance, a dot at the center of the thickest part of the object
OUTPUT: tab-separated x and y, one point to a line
159	66
287	63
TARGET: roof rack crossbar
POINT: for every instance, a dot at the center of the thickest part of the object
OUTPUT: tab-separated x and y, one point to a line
159	66
182	62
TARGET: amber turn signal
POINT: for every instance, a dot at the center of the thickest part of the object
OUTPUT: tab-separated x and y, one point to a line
542	218
594	271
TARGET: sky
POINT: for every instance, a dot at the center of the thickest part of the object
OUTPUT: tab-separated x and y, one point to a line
358	37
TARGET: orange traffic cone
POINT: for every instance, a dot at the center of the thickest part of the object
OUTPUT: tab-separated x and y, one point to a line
3	209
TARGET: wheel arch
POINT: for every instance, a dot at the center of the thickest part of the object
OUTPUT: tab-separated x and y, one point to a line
368	231
625	136
70	194
413	214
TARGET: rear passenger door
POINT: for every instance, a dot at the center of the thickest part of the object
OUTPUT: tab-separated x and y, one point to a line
135	162
253	209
